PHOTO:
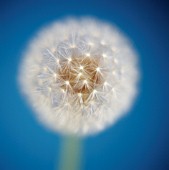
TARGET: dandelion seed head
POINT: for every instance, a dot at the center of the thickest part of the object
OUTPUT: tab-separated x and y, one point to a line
69	83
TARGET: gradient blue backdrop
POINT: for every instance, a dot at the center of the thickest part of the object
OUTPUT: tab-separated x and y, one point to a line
140	141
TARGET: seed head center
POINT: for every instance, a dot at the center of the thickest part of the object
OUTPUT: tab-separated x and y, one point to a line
82	76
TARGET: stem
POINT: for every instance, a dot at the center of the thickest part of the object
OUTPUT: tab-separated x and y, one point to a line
70	153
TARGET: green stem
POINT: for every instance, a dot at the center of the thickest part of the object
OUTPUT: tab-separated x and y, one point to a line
70	153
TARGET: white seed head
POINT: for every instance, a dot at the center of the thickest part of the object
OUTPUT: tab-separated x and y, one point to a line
66	79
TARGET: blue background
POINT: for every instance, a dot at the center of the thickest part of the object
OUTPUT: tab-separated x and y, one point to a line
139	141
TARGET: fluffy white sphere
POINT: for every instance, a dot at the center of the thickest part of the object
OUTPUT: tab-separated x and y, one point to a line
79	75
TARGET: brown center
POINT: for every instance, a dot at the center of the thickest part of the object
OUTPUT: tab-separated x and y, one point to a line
81	76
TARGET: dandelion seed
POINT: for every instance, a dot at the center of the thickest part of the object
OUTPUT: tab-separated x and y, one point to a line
105	83
55	75
81	67
73	46
79	74
88	54
67	83
91	44
94	91
80	94
102	42
98	69
62	90
104	55
85	81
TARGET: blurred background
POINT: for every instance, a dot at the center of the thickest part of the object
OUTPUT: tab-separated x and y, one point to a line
140	140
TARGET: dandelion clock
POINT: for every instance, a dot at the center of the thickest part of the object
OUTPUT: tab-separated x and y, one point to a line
79	76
